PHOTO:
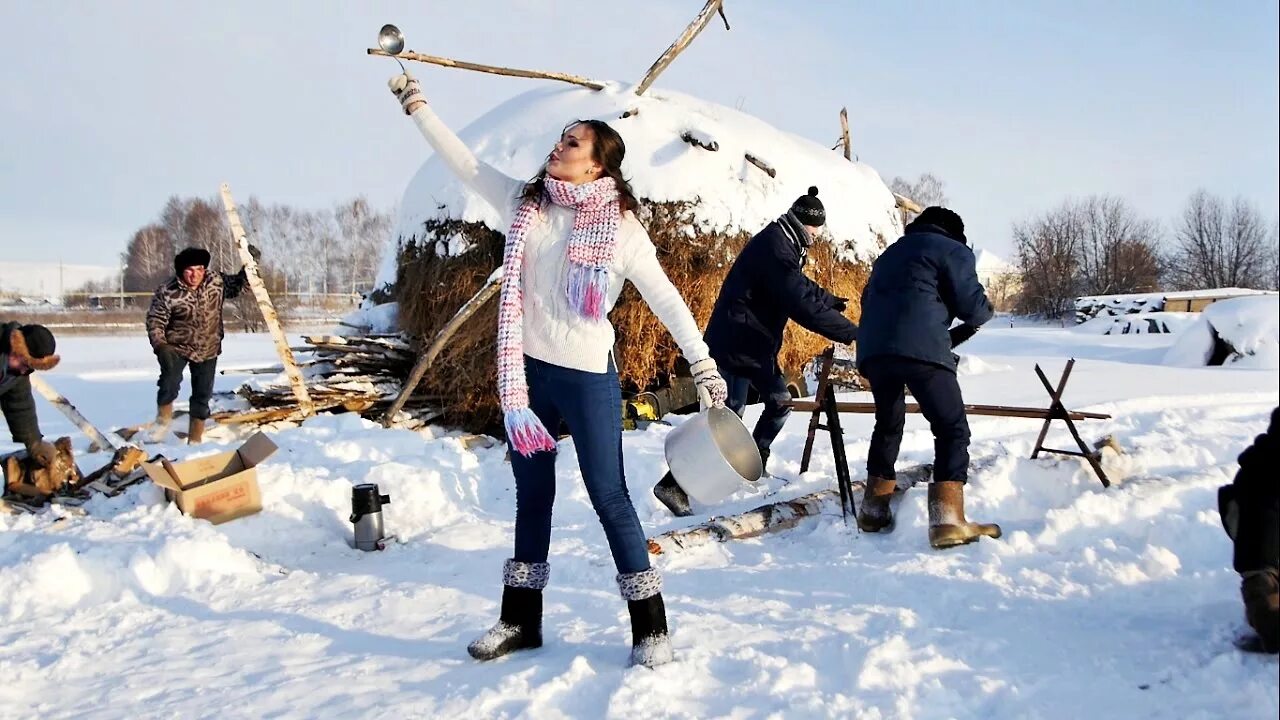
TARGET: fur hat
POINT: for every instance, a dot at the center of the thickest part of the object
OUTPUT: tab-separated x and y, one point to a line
947	220
34	346
809	210
190	257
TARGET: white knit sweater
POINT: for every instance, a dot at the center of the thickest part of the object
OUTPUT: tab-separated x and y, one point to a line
553	332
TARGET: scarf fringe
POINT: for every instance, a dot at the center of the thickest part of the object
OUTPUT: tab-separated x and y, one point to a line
587	289
526	433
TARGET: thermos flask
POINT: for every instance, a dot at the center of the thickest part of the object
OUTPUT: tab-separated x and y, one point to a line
366	515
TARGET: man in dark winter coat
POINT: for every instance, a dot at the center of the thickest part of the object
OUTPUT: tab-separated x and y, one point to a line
765	288
184	326
918	286
1250	509
23	350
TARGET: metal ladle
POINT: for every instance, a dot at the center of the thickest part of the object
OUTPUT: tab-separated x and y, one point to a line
391	40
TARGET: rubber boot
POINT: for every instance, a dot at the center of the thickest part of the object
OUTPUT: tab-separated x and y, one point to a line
650	641
195	430
164	418
669	493
875	514
1261	592
947	526
519	624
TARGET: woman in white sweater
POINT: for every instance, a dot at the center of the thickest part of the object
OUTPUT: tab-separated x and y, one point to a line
573	241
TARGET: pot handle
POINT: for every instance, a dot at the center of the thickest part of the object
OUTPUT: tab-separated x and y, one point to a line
704	399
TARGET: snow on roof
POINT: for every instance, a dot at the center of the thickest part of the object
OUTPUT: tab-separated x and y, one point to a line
1251	325
1174	295
516	136
50	279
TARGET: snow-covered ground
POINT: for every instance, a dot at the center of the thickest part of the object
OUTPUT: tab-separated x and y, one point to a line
1116	603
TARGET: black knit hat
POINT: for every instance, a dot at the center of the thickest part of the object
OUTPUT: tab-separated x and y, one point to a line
40	342
947	220
808	209
190	257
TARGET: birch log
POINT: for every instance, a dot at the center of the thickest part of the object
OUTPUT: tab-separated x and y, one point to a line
682	42
492	69
264	304
64	406
773	517
477	301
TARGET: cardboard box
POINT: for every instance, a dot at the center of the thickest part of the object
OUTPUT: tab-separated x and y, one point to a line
218	487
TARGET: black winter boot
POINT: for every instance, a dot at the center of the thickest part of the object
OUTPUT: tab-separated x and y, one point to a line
876	514
650	643
1261	592
669	493
520	622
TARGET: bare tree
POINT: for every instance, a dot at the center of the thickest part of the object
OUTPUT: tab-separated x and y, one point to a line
148	259
1048	250
1119	252
1218	247
927	190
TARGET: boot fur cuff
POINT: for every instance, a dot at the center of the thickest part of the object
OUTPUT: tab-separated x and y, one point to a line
18	349
533	576
640	585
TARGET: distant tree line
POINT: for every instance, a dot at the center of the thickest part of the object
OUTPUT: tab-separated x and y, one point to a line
1101	246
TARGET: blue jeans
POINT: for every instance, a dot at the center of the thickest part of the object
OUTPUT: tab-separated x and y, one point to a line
591	405
937	391
772	387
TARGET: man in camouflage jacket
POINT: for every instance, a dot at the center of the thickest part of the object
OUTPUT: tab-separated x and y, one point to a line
184	325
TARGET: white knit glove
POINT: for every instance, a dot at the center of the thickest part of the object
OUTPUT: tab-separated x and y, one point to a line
407	91
710	383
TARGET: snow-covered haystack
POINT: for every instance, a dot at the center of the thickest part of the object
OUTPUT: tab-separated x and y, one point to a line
1243	333
708	178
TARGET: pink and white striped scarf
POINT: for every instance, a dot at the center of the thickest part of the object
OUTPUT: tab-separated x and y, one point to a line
591	246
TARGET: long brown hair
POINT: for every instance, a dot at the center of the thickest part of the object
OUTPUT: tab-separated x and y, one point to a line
607	149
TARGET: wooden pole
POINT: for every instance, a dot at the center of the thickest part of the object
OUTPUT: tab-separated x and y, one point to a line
491	69
264	304
682	42
477	301
64	406
989	410
844	134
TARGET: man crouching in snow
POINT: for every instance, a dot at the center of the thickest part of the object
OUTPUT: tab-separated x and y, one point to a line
184	325
918	286
23	350
1250	509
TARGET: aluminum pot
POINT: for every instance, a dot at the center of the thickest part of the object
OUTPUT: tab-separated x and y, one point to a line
711	454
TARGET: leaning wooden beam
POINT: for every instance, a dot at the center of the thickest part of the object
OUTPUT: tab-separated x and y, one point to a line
766	167
477	301
844	134
991	410
907	204
64	406
264	304
682	42
492	69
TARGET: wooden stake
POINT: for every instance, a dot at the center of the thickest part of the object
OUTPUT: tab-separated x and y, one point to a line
477	301
682	42
844	134
766	167
492	69
264	304
64	406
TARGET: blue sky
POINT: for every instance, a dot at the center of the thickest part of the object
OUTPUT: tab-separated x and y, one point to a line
106	109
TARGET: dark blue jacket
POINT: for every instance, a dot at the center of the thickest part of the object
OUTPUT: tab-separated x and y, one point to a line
918	286
16	402
765	288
